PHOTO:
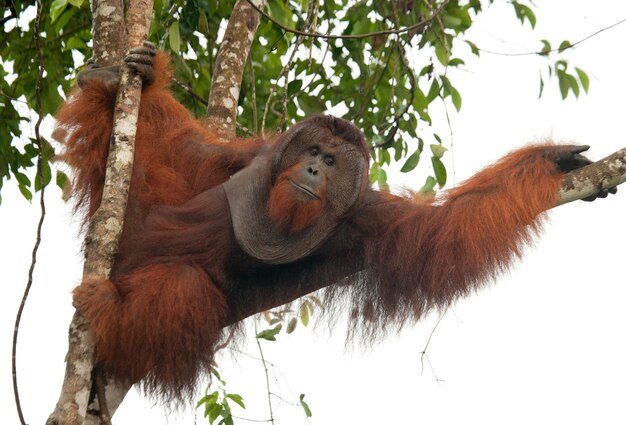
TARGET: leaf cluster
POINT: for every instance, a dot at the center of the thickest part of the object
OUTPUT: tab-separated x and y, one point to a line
386	84
217	403
65	32
289	317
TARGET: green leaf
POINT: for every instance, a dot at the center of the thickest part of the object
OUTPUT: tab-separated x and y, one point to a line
564	45
440	171
274	321
311	104
291	326
546	49
25	192
563	83
56	8
216	373
46	173
442	52
583	78
280	11
304	314
450	21
237	399
305	407
411	162
293	87
22	179
433	92
61	180
202	401
174	37
438	150
382	179
429	185
456	62
203	23
76	43
377	140
525	13
269	334
473	47
65	17
213	413
385	157
573	84
456	98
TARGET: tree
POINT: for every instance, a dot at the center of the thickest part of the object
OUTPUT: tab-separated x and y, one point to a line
380	55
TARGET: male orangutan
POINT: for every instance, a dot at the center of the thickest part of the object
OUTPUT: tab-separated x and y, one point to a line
215	231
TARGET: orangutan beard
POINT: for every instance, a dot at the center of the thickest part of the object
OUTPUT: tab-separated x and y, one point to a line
291	208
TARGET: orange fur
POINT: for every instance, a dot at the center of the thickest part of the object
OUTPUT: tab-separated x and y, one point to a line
431	254
157	323
289	208
180	275
171	162
167	314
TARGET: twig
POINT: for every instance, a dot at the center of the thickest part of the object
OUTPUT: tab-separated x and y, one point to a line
430	337
545	52
283	73
267	376
189	90
413	27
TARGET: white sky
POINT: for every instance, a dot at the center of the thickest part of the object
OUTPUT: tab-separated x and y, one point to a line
543	346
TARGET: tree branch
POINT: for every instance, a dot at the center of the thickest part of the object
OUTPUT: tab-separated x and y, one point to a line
229	66
108	31
588	181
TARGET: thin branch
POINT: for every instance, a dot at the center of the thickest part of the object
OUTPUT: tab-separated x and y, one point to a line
283	73
13	15
42	183
395	123
418	26
430	337
545	52
267	376
190	90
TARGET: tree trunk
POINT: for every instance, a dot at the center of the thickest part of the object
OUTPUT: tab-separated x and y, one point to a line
106	224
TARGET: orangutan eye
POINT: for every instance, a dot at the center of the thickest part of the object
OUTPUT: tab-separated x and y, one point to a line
329	160
314	151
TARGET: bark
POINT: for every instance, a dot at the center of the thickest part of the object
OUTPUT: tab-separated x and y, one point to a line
108	31
601	175
106	225
229	66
